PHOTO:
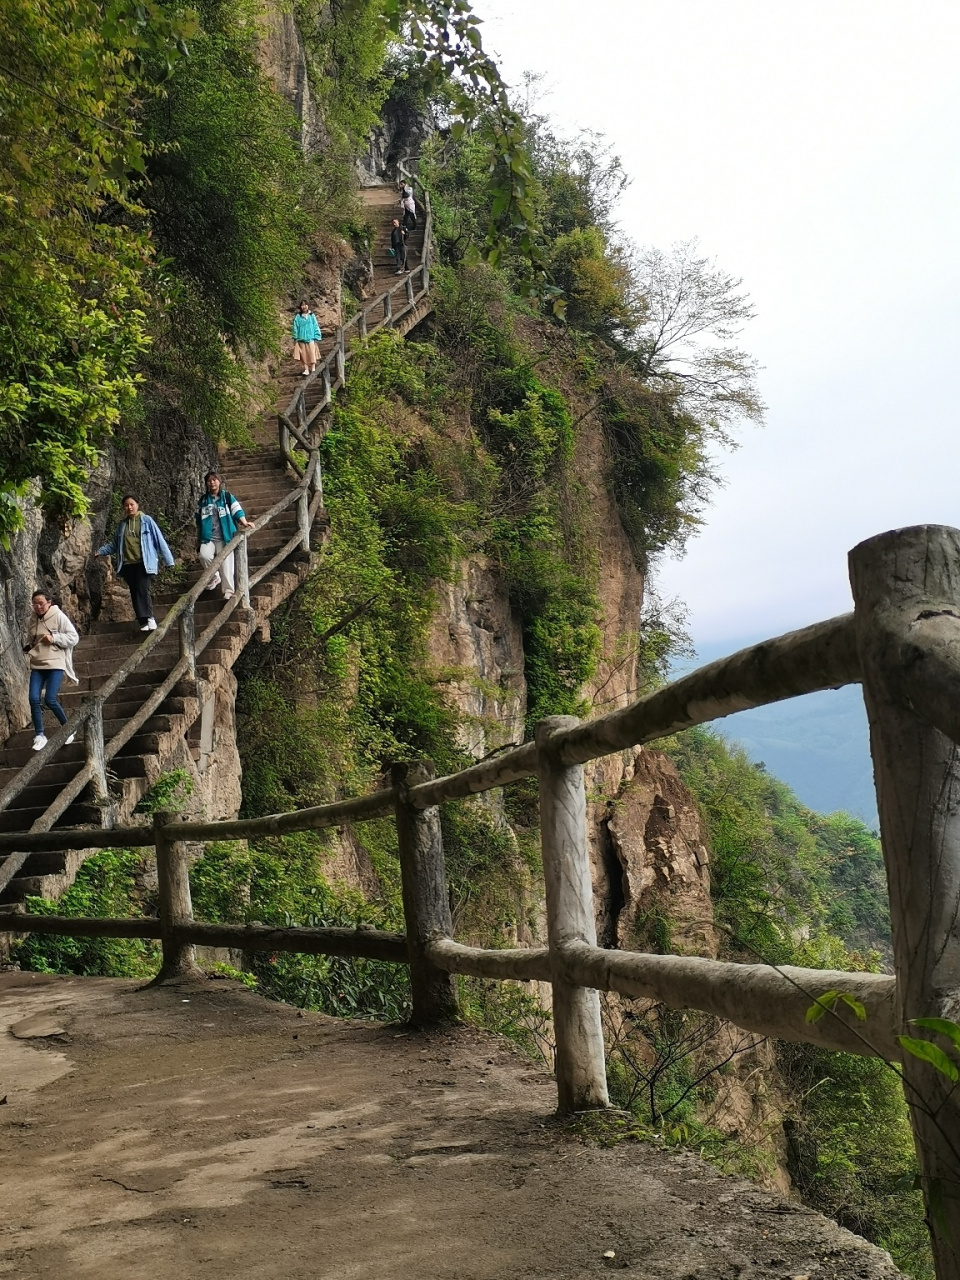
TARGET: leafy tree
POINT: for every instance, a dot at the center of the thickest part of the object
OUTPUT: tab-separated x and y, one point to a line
690	313
227	191
73	249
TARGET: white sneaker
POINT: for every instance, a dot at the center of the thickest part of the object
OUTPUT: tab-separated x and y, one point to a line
39	742
70	739
228	595
151	624
145	627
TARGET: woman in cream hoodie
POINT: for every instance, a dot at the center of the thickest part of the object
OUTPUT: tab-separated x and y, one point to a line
51	637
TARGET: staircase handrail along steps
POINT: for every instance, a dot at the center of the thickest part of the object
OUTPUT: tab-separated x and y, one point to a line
332	369
295	425
89	716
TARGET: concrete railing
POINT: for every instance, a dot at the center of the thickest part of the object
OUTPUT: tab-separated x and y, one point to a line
902	643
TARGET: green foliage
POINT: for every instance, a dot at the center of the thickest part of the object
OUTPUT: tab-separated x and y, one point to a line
73	251
226	189
108	884
347	43
354	640
509	1009
783	880
659	329
850	1149
281	882
780	871
488	874
594	278
536	523
171	791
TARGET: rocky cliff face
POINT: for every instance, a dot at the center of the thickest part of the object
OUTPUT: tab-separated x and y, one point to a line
649	847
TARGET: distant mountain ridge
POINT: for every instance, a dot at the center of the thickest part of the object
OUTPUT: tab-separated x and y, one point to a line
818	744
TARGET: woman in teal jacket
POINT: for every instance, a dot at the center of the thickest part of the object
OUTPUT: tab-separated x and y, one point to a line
306	335
219	515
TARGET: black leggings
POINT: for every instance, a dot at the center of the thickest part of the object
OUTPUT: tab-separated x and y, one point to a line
138	580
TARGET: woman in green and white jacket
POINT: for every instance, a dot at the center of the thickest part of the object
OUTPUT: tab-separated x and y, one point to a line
306	335
219	515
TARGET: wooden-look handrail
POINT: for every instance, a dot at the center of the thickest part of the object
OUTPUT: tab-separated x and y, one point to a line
336	358
296	425
91	709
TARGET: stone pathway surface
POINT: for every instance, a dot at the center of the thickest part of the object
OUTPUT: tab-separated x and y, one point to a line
202	1131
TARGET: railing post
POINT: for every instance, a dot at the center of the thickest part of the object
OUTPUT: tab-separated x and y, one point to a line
301	412
175	905
316	481
188	640
363	324
903	581
581	1066
409	284
341	358
97	760
303	519
327	393
243	570
387	309
284	435
426	906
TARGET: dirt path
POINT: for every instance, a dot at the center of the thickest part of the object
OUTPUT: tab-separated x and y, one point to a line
204	1132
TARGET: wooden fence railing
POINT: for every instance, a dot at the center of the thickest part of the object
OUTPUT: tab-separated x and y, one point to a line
902	643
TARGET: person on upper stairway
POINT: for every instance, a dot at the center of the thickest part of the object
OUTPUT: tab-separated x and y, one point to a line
409	206
306	335
398	246
51	638
138	546
219	515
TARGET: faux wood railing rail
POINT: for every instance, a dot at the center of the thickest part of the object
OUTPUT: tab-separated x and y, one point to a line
902	642
386	310
90	715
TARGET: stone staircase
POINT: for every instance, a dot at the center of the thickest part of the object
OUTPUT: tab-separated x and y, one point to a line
259	477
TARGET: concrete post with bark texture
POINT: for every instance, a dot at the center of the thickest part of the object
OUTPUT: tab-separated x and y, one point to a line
188	640
303	521
175	905
97	762
242	561
426	903
581	1066
906	588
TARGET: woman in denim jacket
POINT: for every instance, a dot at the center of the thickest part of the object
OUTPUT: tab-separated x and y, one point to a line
139	547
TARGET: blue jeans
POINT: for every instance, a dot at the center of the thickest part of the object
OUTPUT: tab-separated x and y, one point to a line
45	683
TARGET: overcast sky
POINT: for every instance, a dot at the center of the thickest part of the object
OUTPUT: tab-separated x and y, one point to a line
813	150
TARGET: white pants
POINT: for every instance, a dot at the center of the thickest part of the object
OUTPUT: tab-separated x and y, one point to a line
208	553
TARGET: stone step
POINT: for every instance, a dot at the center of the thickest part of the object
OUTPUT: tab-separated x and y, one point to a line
77	815
60	772
39	864
17	756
